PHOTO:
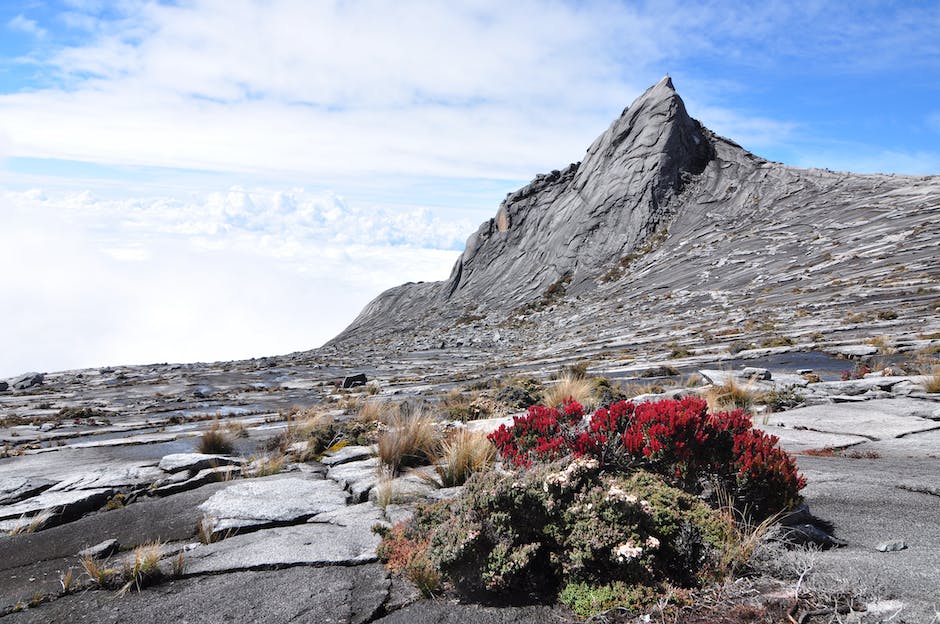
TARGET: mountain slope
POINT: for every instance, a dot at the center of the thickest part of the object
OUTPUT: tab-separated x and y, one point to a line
683	233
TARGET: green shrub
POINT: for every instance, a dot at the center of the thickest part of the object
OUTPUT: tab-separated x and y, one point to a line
586	600
531	533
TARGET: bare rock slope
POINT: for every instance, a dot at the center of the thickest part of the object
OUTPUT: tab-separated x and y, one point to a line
671	224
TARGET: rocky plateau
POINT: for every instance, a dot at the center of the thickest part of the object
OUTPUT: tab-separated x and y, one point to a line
669	260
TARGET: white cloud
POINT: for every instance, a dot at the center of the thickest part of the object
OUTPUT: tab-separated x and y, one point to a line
26	25
475	89
95	282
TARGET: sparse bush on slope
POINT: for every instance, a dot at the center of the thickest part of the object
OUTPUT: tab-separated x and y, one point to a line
605	512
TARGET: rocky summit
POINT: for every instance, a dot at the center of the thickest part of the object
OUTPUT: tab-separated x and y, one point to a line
669	263
666	225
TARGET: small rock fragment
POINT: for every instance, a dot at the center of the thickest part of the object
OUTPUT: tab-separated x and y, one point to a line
101	551
892	546
752	372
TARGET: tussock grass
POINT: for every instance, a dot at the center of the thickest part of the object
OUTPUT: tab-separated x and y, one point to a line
742	538
67	580
885	344
730	395
410	439
98	572
463	453
932	382
144	569
236	429
268	465
371	411
568	387
215	441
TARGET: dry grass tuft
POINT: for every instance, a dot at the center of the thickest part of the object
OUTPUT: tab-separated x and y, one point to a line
266	466
36	523
730	395
371	411
215	441
67	580
410	439
236	429
932	382
463	453
742	538
144	569
885	344
568	387
99	573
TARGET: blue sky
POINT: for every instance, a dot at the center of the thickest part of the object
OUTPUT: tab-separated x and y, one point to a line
162	161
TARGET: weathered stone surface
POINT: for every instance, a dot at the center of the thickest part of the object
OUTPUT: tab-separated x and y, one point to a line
801	440
195	461
15	489
451	612
65	505
358	477
343	537
26	381
257	503
4	386
101	550
116	477
488	425
853	350
348	454
331	595
175	485
875	419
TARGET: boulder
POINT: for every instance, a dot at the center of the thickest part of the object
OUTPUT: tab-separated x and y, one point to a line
352	381
752	372
27	380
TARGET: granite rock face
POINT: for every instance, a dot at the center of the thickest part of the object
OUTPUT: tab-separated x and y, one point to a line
658	207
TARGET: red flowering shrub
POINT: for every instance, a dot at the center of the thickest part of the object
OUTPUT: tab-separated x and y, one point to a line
544	434
678	439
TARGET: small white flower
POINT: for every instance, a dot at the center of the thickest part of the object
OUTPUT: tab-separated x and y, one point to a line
652	543
618	493
628	551
645	507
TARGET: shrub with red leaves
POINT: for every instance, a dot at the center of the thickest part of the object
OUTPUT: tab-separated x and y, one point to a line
544	434
678	439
